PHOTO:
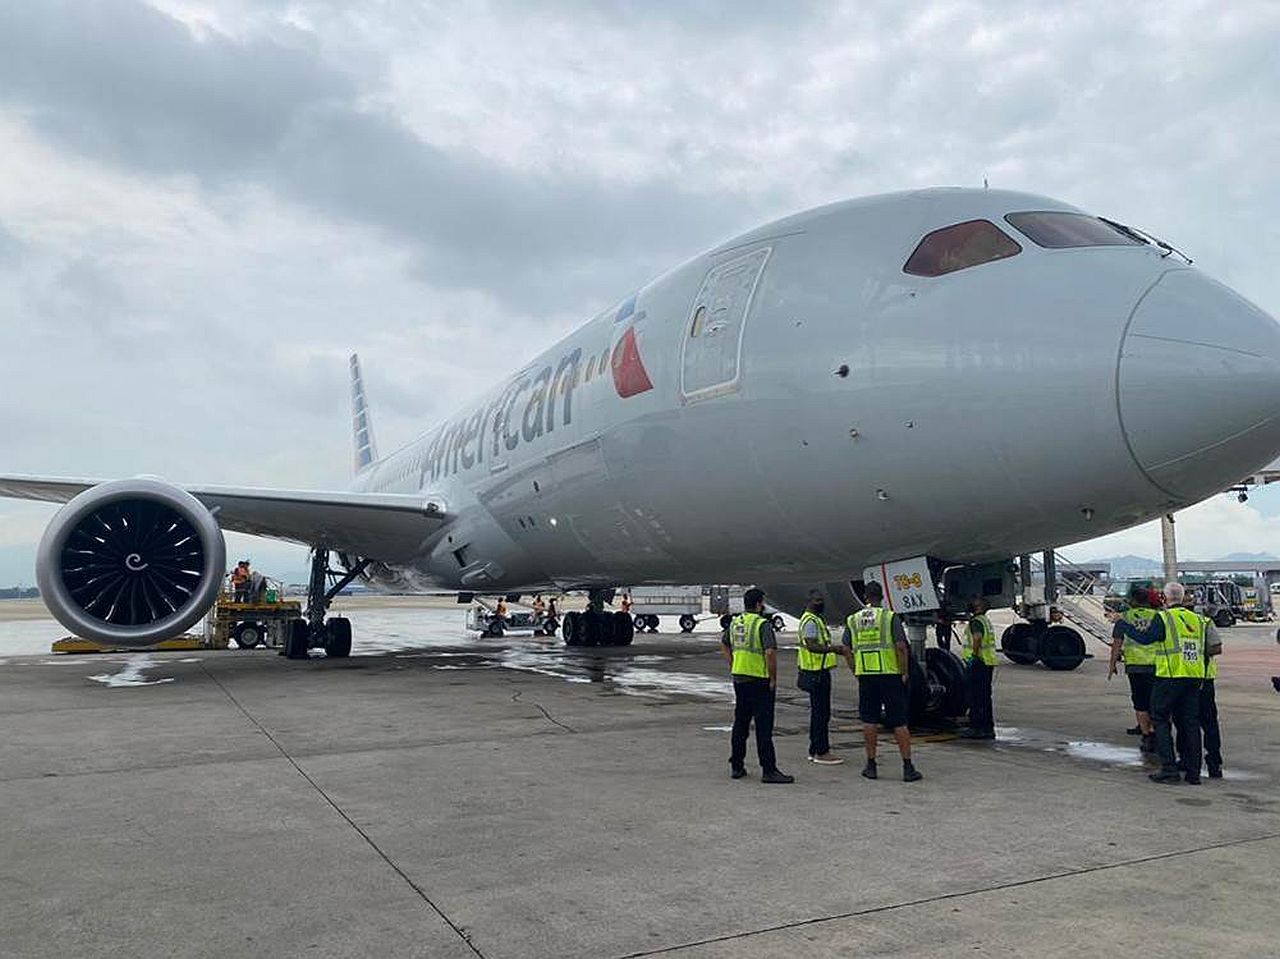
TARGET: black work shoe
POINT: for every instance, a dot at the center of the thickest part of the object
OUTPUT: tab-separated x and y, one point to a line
909	773
737	772
970	733
1134	730
1215	772
1165	776
776	776
869	770
1192	779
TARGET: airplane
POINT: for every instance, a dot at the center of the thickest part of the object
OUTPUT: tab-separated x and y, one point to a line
916	387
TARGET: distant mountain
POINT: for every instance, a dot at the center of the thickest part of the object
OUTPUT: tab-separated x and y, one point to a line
1124	567
1247	558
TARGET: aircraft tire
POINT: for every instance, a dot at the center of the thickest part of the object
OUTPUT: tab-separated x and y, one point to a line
779	624
247	635
1017	644
337	637
641	621
652	622
624	629
725	620
571	629
947	671
1224	619
298	640
1061	648
687	623
918	713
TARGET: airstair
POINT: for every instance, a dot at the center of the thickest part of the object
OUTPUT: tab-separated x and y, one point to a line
1079	597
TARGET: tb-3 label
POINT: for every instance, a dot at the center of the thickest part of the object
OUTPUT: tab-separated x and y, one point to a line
907	585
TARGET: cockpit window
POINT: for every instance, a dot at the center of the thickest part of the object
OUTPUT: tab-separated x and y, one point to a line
1057	230
959	247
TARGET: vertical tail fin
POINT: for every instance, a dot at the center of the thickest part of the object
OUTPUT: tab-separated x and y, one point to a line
366	448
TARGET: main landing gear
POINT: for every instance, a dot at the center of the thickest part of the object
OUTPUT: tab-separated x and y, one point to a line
333	634
1059	647
596	627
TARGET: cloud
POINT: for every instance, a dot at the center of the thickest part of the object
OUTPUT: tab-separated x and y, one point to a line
10	248
205	205
150	95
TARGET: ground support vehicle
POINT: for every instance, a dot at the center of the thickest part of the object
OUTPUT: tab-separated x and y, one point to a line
726	601
261	623
650	602
483	618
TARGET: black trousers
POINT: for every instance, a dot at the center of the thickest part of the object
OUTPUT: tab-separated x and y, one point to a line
820	714
1176	701
752	700
1209	724
981	715
1208	728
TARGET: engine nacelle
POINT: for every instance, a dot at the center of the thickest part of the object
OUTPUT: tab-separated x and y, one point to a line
131	562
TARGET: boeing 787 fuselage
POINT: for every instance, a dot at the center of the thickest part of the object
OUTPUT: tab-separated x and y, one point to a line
958	374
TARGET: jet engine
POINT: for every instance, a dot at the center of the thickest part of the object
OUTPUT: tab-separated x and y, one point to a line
131	562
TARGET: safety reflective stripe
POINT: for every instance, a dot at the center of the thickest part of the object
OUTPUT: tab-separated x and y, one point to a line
986	645
1136	654
871	630
1210	662
1180	655
748	650
807	659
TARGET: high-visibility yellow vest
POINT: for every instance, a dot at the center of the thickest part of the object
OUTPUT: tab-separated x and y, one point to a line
873	651
748	650
1135	654
807	659
986	645
1210	662
1181	654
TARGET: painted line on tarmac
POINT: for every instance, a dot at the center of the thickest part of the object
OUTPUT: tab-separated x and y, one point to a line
944	897
422	893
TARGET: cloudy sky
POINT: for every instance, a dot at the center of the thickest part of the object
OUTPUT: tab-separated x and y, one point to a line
205	205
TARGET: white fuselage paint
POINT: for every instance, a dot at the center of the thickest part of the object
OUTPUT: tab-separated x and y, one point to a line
985	413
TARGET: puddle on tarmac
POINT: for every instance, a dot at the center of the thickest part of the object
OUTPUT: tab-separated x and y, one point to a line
132	673
1104	753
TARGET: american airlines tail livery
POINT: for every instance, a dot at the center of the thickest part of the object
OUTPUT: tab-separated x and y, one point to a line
937	380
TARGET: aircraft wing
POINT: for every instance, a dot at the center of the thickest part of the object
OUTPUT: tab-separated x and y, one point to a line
383	526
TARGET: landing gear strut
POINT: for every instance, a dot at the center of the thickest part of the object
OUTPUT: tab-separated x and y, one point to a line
596	627
334	634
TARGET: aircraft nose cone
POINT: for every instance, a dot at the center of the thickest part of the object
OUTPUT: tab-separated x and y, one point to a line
1199	385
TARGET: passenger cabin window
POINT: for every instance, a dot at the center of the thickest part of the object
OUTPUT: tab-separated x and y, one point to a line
1057	230
959	247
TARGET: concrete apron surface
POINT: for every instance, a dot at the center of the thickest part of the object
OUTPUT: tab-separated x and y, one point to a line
526	801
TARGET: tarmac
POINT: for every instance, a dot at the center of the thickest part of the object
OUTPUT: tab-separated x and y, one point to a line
511	798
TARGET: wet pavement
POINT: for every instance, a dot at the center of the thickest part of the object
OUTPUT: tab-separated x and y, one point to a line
442	795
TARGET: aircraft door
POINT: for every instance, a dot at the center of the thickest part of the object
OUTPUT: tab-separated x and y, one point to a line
712	352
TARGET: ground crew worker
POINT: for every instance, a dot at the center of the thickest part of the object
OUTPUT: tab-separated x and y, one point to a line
1178	635
979	657
816	657
878	657
751	650
626	602
539	606
240	582
1210	732
1139	663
